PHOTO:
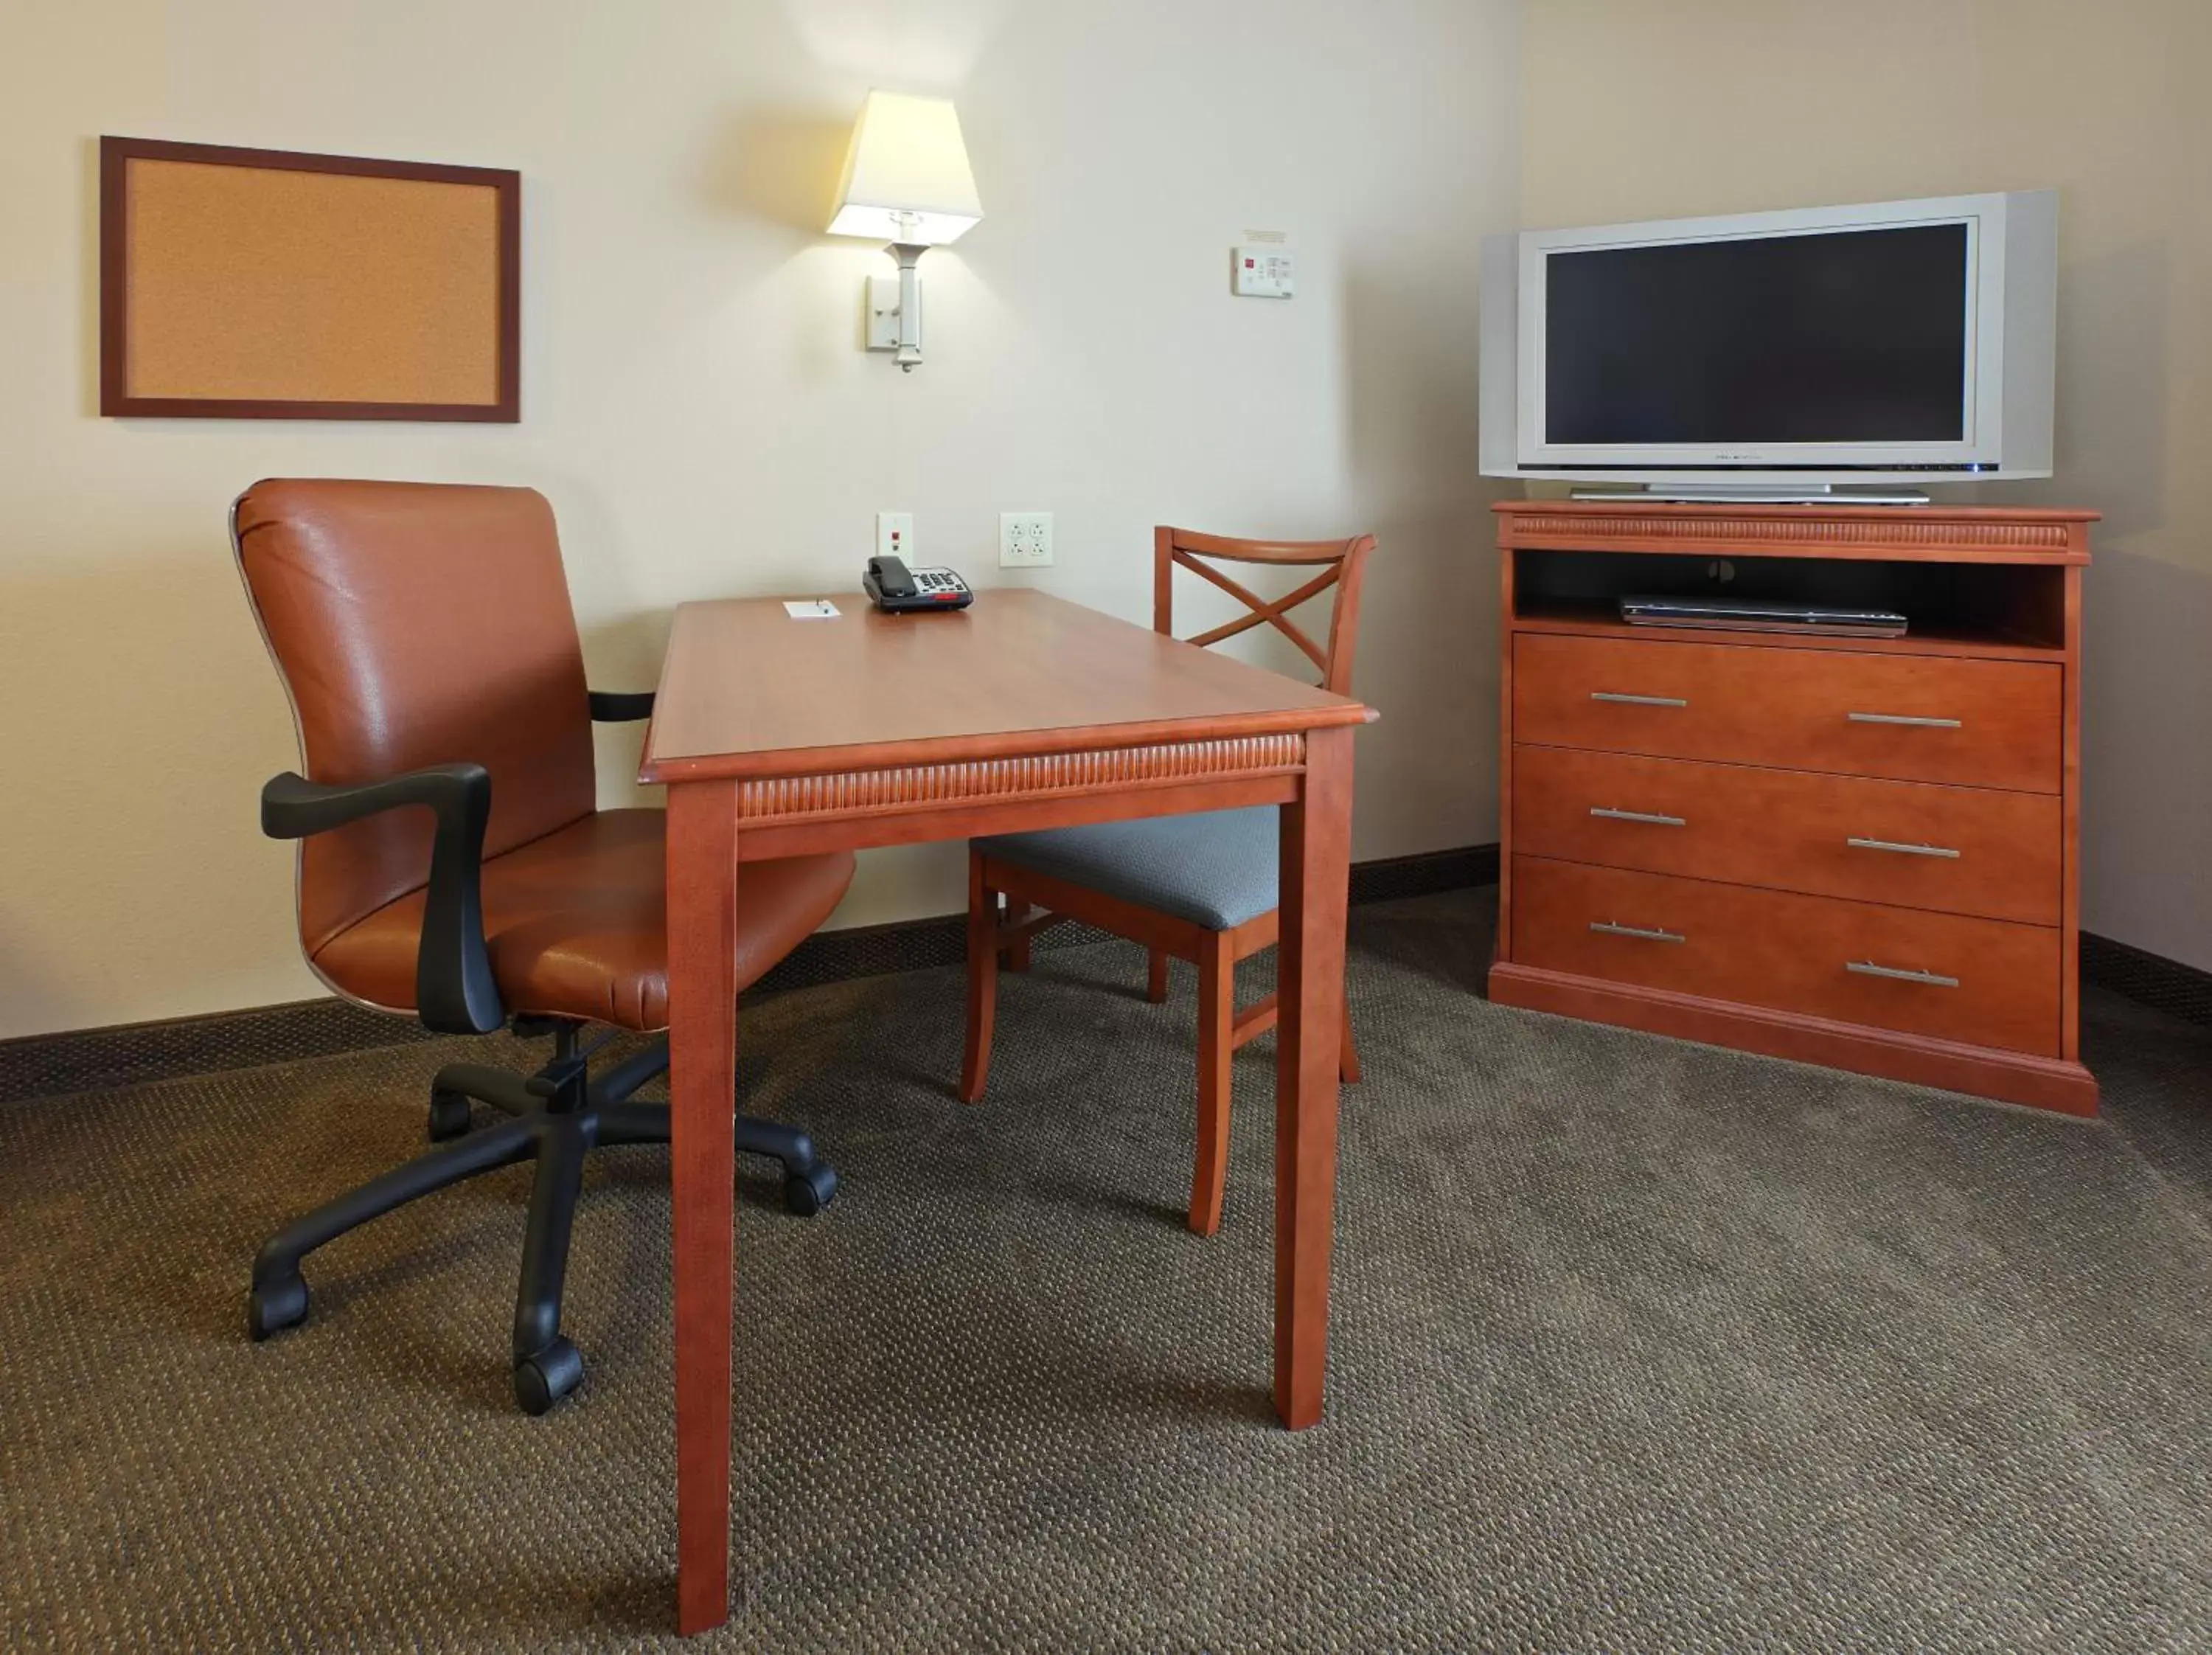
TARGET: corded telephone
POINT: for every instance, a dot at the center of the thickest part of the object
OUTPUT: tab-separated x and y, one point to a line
891	586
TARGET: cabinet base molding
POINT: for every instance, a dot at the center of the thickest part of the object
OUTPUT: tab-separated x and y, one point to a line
2009	1077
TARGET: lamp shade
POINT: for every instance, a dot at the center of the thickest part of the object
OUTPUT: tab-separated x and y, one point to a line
906	175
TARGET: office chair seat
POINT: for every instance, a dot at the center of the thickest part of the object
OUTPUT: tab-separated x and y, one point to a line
576	924
1217	869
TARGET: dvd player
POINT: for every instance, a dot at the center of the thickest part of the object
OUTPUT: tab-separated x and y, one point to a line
1757	615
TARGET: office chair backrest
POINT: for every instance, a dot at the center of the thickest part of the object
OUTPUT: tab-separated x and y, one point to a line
1345	568
417	623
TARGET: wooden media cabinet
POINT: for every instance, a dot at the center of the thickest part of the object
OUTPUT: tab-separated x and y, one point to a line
1860	852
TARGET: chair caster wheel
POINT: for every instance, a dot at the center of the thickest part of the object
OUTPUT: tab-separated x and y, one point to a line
805	1194
544	1379
449	1117
273	1306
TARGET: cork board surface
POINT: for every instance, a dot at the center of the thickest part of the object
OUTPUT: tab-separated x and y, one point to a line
265	283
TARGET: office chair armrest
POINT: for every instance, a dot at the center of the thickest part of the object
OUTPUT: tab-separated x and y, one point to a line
454	993
620	706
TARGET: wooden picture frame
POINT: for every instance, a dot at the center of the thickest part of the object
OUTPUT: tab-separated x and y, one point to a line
272	284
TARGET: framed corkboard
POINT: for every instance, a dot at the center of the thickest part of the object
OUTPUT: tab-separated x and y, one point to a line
264	284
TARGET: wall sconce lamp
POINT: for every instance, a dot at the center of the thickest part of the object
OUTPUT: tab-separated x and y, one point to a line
907	182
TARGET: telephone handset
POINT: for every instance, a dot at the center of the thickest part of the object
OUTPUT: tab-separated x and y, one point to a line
892	587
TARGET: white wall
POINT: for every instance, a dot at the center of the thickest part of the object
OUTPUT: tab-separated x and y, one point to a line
695	404
1641	111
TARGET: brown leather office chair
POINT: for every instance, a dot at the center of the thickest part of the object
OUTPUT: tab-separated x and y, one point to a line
1200	888
424	635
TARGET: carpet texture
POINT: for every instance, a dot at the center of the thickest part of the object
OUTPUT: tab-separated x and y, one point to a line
1636	1346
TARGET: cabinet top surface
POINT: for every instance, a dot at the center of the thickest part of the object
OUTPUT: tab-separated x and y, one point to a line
1808	513
1941	534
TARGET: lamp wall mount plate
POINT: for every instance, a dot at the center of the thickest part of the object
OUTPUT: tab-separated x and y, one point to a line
884	307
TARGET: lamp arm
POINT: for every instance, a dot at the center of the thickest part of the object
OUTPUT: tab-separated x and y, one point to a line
908	255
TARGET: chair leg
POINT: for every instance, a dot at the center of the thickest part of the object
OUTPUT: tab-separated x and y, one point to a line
546	1366
280	1297
1217	1017
452	1087
503	1089
1016	951
633	1123
808	1182
1348	1063
1156	977
616	1084
982	981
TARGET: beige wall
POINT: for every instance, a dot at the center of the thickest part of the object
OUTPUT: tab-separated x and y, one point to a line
696	406
1638	110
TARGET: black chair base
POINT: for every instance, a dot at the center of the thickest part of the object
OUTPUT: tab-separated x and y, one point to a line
554	1117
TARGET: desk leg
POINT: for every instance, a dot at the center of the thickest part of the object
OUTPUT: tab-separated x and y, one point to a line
702	1078
1317	872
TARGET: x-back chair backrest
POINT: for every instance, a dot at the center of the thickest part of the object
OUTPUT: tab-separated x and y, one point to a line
1343	565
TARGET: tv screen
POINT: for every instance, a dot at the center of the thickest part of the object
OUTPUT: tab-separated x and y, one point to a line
1858	335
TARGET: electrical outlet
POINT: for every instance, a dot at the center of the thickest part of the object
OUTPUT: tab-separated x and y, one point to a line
1263	272
1024	540
895	535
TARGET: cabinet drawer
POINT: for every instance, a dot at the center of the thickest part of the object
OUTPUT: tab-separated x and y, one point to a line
1958	850
1915	718
1983	981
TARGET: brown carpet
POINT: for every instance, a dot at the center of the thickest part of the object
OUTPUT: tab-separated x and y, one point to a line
1638	1345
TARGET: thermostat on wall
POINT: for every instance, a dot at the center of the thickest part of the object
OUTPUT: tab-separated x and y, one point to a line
1262	272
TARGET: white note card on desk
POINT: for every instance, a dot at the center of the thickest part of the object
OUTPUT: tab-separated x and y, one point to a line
812	608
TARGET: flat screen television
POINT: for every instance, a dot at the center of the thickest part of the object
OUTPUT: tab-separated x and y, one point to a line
1905	341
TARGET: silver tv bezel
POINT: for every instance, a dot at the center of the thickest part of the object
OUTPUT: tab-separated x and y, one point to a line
1995	337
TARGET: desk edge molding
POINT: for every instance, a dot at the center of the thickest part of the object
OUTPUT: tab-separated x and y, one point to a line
1101	770
939	751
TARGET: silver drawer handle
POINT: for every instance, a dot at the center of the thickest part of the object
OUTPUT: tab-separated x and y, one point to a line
1868	968
1611	815
1905	719
1611	930
1902	848
1637	701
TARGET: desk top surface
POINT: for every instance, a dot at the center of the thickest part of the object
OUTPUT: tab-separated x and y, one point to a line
747	690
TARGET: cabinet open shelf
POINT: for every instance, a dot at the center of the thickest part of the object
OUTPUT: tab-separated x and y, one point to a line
2011	611
1599	619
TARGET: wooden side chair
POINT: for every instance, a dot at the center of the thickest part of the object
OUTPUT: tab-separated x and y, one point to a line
1200	888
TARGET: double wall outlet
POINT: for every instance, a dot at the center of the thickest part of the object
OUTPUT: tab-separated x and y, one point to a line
1024	540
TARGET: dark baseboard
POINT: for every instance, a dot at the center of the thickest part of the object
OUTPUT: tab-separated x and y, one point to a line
1425	874
91	1059
2163	984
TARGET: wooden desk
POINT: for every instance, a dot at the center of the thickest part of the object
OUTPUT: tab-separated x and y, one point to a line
777	737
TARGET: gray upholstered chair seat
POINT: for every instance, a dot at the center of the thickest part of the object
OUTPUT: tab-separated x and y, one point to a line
1216	869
